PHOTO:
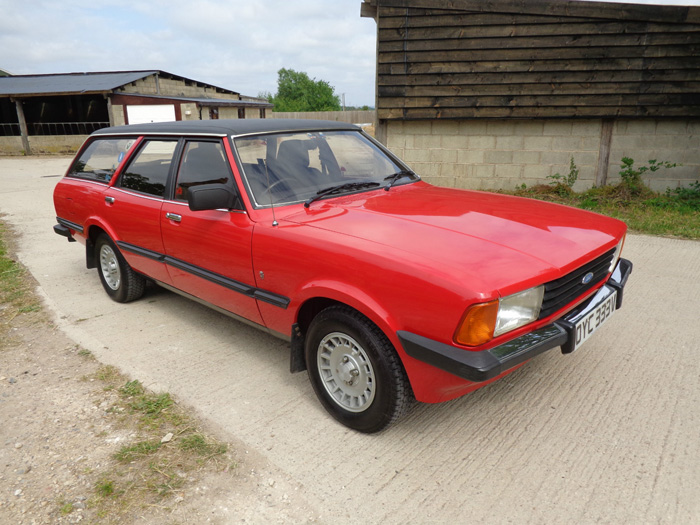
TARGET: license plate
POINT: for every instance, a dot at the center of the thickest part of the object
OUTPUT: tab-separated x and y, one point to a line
594	320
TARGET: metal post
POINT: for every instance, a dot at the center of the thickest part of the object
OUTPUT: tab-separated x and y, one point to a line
22	126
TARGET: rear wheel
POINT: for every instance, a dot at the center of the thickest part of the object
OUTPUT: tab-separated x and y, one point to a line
119	280
355	371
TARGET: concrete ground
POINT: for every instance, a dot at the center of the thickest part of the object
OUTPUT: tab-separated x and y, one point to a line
608	434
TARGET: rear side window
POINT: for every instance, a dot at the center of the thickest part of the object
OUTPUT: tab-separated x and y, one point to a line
148	171
202	163
100	159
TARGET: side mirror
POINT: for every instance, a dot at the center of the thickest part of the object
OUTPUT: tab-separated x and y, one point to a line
210	197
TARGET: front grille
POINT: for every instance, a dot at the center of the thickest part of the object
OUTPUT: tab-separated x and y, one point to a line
559	293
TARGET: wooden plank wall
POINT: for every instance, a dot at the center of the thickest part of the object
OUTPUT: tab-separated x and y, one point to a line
536	59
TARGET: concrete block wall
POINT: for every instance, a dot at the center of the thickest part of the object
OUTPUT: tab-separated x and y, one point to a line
11	146
173	88
118	115
193	112
676	141
504	154
43	144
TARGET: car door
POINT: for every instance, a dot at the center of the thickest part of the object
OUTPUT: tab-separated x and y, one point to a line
209	252
132	207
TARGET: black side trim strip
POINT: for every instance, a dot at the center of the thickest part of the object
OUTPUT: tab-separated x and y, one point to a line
69	224
236	286
210	276
143	252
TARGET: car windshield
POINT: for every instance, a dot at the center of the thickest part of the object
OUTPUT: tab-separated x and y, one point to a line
286	168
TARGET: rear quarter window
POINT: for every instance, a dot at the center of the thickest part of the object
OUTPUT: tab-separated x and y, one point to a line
100	159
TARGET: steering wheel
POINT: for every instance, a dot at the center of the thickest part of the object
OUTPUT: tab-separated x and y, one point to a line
272	188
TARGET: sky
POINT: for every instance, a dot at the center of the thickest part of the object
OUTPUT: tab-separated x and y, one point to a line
234	44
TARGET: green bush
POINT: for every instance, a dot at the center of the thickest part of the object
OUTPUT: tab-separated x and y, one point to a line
632	177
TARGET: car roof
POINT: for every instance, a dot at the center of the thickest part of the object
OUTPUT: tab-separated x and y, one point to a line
227	127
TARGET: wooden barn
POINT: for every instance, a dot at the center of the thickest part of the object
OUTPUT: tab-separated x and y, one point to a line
493	94
54	113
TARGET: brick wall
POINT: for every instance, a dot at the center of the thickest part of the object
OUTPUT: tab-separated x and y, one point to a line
503	154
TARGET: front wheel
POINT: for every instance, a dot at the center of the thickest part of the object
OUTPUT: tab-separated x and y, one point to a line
119	280
355	371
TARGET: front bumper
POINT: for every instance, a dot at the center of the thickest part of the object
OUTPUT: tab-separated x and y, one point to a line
487	364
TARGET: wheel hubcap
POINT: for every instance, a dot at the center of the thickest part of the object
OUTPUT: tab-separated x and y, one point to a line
346	372
109	264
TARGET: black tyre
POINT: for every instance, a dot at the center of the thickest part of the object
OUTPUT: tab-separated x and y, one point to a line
119	280
355	371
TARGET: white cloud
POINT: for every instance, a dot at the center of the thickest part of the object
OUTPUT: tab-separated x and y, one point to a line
234	44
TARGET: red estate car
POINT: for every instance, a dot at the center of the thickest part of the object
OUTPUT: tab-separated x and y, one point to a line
387	288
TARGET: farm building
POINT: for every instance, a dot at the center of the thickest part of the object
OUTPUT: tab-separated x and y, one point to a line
489	95
54	113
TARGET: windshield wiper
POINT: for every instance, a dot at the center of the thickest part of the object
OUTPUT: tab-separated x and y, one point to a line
396	176
340	188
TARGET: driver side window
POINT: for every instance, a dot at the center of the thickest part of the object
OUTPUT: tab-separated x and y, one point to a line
203	162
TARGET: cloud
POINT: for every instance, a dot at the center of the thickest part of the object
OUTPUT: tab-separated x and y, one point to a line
235	45
232	44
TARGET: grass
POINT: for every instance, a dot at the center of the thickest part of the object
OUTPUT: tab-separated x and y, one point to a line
675	213
65	508
146	471
151	468
16	289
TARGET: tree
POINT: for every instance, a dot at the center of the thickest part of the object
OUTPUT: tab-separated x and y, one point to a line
297	92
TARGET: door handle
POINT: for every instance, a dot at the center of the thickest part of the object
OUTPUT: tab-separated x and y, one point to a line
173	216
109	200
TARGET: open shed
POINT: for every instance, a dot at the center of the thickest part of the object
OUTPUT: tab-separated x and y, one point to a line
496	94
54	113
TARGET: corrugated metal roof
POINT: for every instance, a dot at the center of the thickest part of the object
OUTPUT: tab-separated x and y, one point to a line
69	83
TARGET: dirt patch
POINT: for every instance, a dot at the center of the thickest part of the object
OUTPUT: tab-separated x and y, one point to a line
65	419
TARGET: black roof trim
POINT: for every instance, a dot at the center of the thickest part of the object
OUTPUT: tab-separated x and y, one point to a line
227	127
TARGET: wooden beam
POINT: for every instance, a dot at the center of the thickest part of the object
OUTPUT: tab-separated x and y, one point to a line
566	101
552	89
110	114
587	112
22	126
670	77
606	131
439	18
541	54
674	14
600	27
511	66
368	11
648	40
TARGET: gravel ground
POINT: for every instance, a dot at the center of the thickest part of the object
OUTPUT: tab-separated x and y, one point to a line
58	437
608	434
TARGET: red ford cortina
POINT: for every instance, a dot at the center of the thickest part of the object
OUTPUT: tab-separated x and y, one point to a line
387	288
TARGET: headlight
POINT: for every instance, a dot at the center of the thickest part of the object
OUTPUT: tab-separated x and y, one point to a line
518	310
484	321
618	252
